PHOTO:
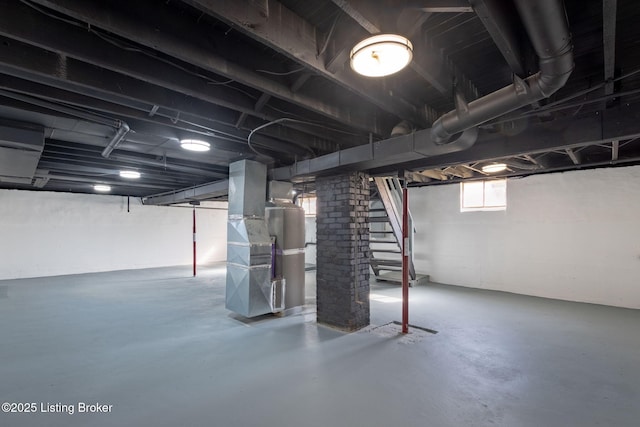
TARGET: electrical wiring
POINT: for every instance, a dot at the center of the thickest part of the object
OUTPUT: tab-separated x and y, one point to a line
287	120
318	124
130	48
39	9
286	73
209	80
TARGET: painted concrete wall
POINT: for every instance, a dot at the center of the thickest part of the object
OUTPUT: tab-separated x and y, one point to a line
572	236
310	237
45	233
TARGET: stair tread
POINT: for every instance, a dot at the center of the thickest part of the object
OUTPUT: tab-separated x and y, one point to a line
386	262
389	268
388	251
378	219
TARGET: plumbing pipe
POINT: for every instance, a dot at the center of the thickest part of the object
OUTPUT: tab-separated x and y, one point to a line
122	131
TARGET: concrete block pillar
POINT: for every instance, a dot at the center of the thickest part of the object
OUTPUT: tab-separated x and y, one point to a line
342	235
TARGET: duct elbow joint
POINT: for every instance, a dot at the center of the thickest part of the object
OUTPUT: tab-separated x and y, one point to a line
439	134
555	72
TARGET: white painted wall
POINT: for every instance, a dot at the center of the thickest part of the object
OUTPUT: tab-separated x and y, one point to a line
45	233
310	237
572	236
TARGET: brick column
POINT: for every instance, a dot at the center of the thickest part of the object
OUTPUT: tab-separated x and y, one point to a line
342	273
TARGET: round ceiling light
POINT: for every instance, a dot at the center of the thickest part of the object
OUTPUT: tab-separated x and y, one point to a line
130	174
102	188
494	168
381	55
195	145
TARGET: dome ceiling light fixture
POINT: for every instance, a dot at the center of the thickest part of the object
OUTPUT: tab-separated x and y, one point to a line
494	167
195	145
381	55
130	174
102	188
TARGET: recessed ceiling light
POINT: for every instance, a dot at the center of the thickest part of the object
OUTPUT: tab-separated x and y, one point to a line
102	188
494	168
130	174
195	145
381	55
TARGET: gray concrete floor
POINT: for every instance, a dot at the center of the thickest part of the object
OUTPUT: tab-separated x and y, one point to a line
159	346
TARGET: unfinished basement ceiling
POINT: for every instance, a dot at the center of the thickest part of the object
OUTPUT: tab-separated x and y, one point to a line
217	70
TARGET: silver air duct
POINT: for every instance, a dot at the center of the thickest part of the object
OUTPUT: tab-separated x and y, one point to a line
546	25
250	290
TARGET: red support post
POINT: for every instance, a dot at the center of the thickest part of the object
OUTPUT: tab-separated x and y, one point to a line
194	242
405	261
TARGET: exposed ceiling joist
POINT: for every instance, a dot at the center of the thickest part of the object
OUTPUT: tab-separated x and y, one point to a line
20	23
575	156
440	6
225	138
434	174
475	169
101	180
300	81
223	103
284	31
427	61
459	171
502	28
533	160
84	154
101	16
97	171
78	69
609	12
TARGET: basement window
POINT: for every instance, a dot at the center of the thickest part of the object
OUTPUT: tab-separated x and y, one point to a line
489	195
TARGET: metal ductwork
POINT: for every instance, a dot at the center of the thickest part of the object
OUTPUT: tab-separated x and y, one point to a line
546	24
249	290
265	245
392	151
